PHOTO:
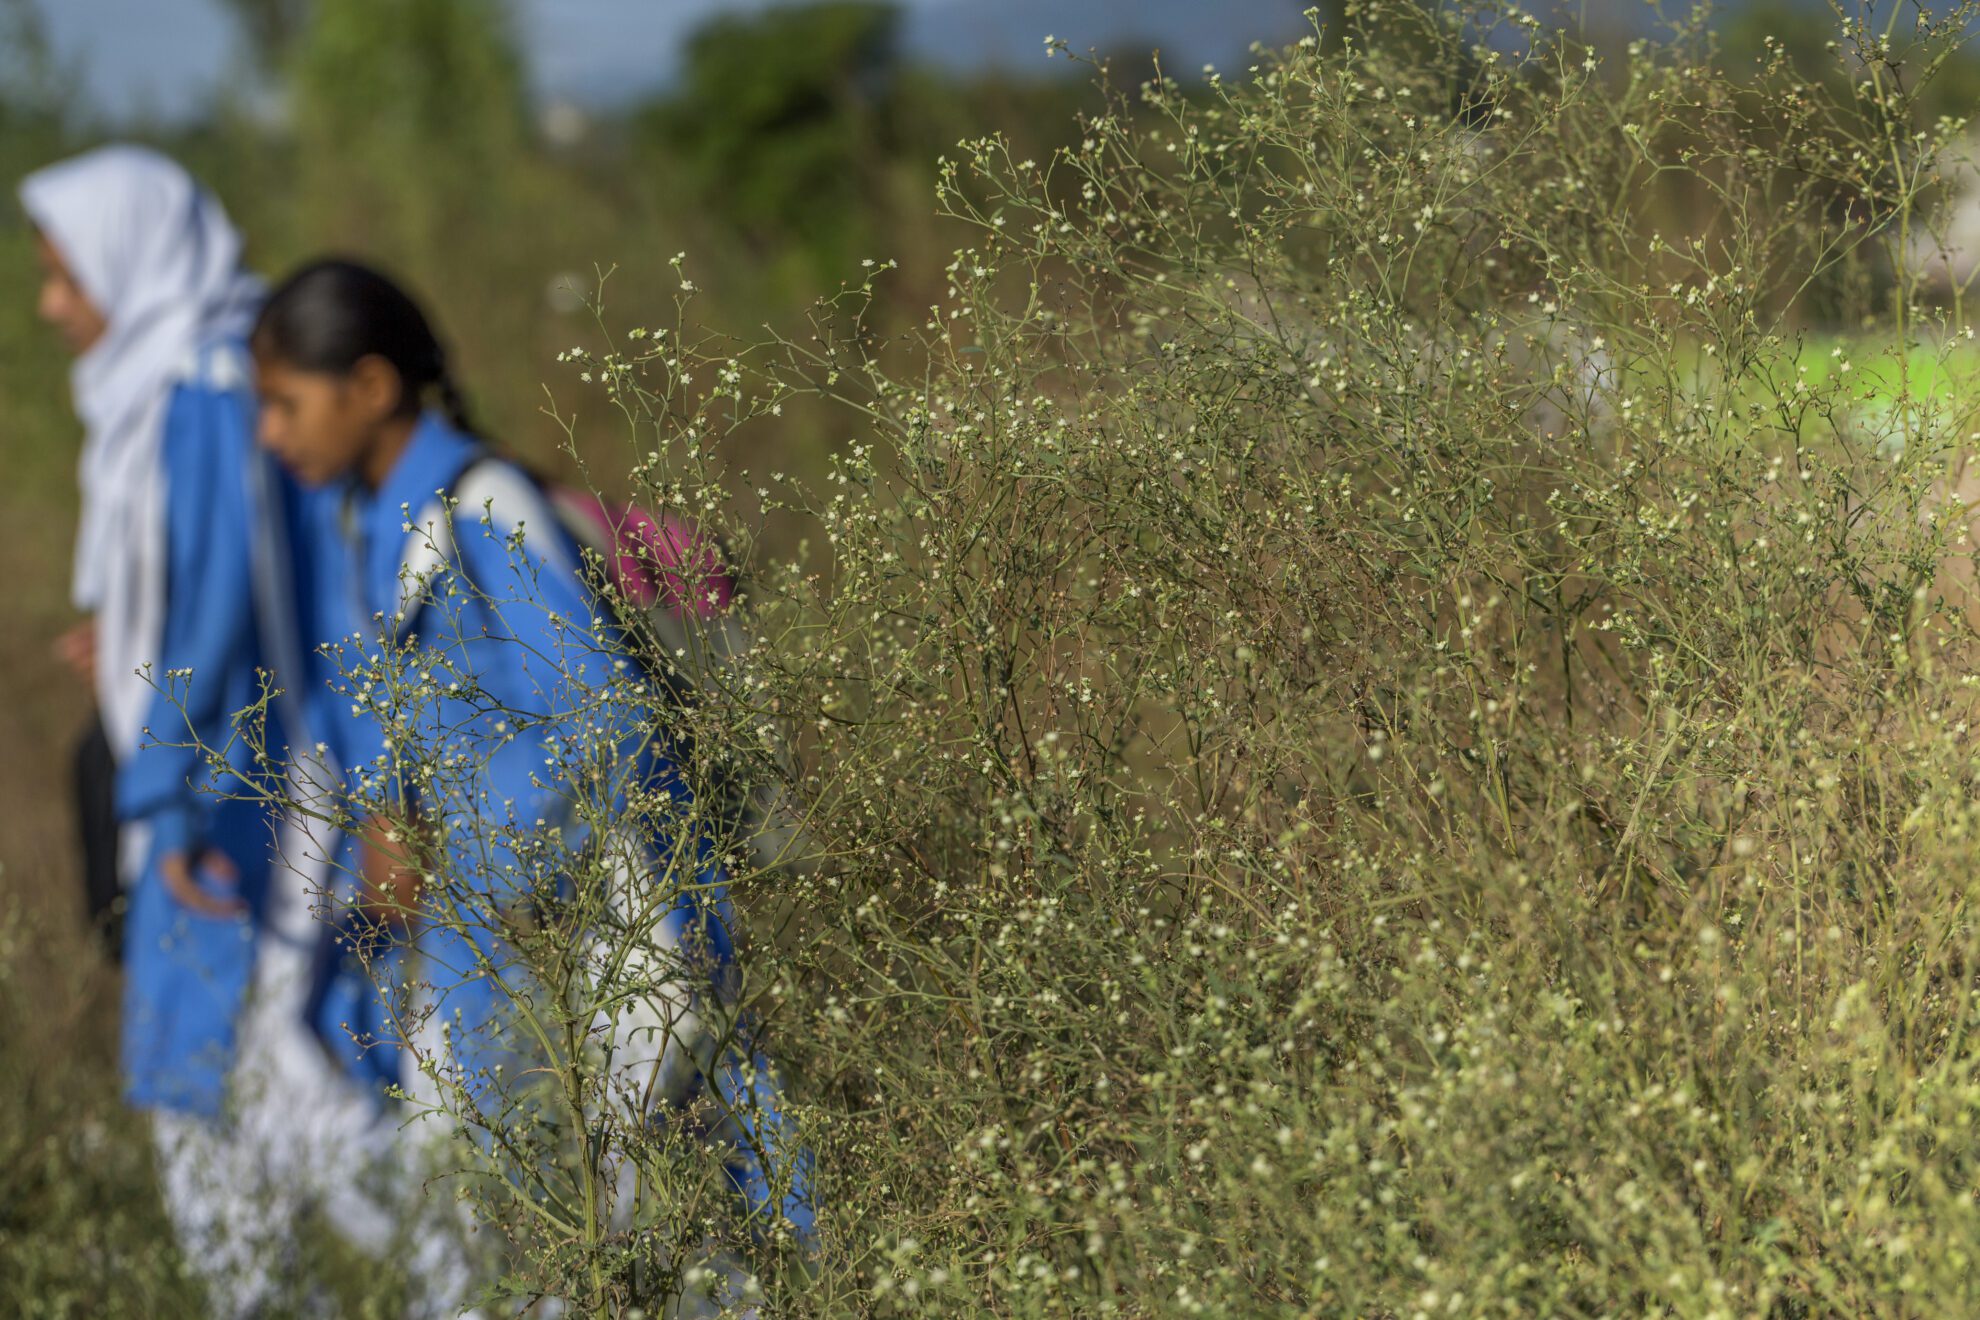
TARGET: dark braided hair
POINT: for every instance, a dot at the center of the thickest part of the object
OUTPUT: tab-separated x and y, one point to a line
335	312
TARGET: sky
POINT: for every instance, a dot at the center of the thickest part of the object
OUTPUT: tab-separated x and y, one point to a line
165	58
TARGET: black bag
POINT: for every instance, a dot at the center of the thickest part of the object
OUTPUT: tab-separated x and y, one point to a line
95	772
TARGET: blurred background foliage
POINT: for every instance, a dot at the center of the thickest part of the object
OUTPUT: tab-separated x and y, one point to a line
793	142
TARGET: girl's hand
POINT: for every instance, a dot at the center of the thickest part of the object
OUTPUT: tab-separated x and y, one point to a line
391	878
178	871
76	649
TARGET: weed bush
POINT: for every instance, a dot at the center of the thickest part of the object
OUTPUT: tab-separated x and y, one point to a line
1377	740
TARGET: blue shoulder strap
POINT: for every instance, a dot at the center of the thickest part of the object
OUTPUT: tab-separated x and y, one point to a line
489	491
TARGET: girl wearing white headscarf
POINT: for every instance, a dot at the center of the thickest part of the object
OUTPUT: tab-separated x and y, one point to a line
183	562
156	256
141	268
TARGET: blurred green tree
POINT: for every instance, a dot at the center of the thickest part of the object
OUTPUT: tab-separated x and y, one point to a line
33	87
270	26
779	122
408	115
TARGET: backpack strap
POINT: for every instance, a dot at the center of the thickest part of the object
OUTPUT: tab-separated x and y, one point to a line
488	493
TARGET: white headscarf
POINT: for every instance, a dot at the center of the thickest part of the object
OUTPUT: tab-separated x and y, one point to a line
157	255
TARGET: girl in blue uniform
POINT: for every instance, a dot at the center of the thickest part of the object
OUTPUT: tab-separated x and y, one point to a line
497	740
185	566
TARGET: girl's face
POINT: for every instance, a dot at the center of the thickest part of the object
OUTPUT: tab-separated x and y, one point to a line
324	426
63	304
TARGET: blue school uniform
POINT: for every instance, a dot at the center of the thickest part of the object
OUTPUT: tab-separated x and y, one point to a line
229	626
515	669
187	973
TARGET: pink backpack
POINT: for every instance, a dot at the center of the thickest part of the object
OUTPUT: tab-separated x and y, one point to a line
659	564
674	575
